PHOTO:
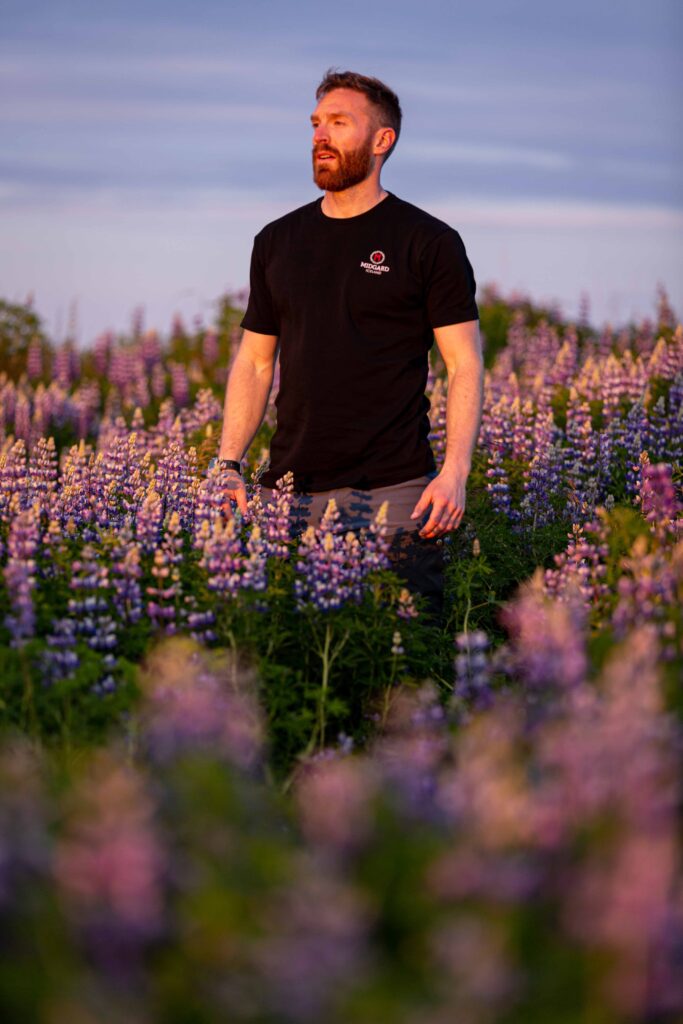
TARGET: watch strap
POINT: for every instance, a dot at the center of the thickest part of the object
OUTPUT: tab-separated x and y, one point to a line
226	464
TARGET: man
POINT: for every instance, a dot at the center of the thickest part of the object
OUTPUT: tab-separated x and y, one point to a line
351	290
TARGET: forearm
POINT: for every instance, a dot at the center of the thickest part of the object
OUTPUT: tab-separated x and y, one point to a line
246	398
463	416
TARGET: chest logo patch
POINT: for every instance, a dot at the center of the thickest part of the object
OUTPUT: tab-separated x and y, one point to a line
376	264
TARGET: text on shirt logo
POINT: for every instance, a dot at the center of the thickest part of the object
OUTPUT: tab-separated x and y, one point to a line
376	264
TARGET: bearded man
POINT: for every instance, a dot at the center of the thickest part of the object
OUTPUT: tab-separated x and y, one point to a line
351	290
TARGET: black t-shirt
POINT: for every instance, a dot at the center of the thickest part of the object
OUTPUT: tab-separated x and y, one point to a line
354	302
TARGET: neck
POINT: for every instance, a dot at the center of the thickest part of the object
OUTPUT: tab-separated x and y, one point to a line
354	200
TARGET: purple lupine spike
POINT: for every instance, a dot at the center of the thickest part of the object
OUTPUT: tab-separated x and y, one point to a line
42	410
159	380
90	609
166	594
497	484
109	865
74	501
174	480
329	567
137	424
210	347
85	405
657	496
101	348
177	327
522	429
658	437
150	349
542	476
255	575
22	418
13	478
375	542
60	659
42	473
564	367
180	385
20	574
205	410
125	578
208	505
223	556
149	519
34	359
63	365
548	637
472	669
276	524
647	590
405	609
580	457
581	569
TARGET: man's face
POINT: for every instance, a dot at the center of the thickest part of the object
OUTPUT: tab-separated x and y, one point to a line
343	140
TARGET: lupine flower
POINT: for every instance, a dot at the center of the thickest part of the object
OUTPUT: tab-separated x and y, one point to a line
13	478
406	606
329	571
109	865
149	519
548	637
60	658
657	497
20	574
276	521
42	473
375	542
125	575
472	671
580	569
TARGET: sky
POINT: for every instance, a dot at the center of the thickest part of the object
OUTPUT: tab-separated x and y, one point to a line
146	143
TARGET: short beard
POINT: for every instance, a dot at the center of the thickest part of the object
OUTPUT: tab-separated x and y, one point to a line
352	168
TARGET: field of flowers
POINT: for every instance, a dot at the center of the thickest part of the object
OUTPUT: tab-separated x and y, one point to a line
243	778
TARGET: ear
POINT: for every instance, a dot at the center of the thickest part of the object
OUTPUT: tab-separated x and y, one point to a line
384	140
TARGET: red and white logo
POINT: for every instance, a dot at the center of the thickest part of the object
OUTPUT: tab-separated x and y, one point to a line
376	264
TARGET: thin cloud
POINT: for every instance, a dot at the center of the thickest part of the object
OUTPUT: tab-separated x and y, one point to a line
475	153
560	213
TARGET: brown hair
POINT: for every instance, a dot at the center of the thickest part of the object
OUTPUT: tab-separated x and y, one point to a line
380	95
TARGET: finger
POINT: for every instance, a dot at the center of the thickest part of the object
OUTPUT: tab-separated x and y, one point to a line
241	499
447	521
434	521
422	504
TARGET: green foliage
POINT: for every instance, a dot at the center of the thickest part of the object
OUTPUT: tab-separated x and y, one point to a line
19	326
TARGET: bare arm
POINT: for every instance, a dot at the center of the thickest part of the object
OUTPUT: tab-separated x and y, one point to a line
246	397
460	348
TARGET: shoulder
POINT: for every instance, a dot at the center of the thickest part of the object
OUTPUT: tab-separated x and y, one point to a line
424	226
287	222
421	219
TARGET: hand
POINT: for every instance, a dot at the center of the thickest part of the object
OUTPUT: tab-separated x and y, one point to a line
446	493
236	491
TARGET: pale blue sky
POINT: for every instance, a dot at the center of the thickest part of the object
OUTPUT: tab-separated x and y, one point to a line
146	143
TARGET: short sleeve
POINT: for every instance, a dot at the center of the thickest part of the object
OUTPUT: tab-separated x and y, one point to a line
260	315
449	282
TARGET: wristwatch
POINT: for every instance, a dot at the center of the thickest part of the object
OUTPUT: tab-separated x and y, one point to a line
225	464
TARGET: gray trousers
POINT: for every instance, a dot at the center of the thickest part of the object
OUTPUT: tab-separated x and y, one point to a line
417	560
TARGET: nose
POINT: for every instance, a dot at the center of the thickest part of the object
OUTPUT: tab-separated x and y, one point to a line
320	134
